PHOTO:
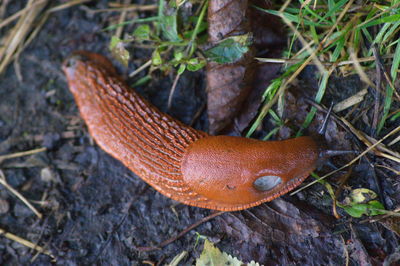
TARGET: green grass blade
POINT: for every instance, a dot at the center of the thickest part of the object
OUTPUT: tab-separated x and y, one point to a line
386	108
139	20
396	62
292	18
392	18
321	91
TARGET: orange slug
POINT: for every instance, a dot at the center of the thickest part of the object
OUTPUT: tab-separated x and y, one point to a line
215	172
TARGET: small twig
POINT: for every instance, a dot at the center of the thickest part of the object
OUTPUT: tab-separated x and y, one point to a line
342	182
3	8
351	101
185	231
129	8
338	20
340	63
396	172
20	32
3	181
171	93
140	69
26	243
377	218
379	62
21	154
122	17
197	114
105	244
378	14
19	13
67	5
357	66
377	89
17	68
191	48
394	141
178	258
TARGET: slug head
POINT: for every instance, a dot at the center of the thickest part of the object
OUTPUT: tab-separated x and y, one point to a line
81	61
237	173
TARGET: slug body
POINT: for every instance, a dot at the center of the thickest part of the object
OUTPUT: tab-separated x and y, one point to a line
215	172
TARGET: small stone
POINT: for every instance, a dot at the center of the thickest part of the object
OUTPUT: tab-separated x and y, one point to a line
4	206
50	140
22	211
47	175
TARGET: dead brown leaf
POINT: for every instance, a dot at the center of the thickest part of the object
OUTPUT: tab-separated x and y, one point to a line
289	232
234	90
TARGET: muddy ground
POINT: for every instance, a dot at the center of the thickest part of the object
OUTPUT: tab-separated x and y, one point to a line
95	211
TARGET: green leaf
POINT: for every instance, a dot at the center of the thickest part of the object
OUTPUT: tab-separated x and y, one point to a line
142	32
371	208
361	195
169	28
195	64
376	208
212	256
156	58
142	81
181	69
356	210
118	50
362	201
114	41
178	55
229	50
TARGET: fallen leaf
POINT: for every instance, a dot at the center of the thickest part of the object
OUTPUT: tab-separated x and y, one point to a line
235	85
283	233
212	256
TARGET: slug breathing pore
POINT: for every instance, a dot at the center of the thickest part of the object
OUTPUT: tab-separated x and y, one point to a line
215	172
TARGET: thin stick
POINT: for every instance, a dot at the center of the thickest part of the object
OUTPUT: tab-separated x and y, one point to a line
361	73
20	32
25	242
3	181
19	13
67	5
128	8
140	69
377	92
21	154
341	63
171	94
122	17
172	239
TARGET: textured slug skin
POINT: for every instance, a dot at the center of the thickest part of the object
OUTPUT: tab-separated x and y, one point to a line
187	165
